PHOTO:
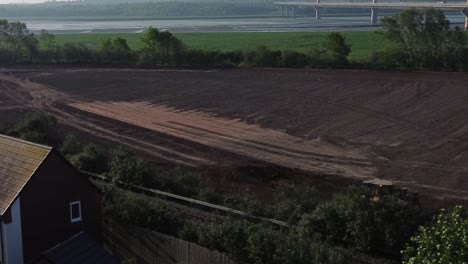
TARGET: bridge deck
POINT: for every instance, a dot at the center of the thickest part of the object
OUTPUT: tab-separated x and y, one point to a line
399	5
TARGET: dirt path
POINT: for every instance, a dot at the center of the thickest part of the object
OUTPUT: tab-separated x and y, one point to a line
238	137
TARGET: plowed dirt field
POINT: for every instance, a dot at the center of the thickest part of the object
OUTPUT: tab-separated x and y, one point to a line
411	128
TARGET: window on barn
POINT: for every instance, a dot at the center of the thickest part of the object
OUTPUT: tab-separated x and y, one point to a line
75	212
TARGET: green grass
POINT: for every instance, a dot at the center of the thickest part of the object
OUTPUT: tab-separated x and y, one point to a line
363	43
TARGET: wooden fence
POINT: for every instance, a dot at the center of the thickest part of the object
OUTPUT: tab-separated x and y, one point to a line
135	245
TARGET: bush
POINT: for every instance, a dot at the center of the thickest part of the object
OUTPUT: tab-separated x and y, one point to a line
262	57
210	195
293	201
178	180
228	236
91	158
444	241
316	58
77	52
115	50
293	59
38	128
5	127
126	168
359	220
135	210
338	49
71	145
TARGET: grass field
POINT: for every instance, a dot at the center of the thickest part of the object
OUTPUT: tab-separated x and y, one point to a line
363	43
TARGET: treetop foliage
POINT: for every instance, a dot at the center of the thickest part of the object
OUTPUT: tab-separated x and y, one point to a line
338	48
443	241
37	127
425	39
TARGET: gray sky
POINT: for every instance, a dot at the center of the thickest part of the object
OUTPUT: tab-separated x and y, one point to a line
20	1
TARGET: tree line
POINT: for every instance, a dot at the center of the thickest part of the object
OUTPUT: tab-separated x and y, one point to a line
424	40
160	48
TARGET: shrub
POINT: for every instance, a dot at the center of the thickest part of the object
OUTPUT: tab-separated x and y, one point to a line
115	50
125	167
293	59
338	49
262	57
77	52
71	145
135	210
444	241
366	224
38	128
177	180
293	201
91	158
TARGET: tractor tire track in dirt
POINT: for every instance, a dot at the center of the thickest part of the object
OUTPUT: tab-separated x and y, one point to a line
340	129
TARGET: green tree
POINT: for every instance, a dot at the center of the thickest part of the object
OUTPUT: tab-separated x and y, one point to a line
49	42
38	127
77	52
136	210
292	201
162	46
151	41
71	145
91	158
16	38
425	39
444	241
337	48
177	180
263	243
115	50
228	236
366	224
262	56
126	168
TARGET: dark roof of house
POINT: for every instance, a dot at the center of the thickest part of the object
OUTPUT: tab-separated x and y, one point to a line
80	249
19	160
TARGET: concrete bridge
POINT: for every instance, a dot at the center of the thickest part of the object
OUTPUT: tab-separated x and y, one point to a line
289	8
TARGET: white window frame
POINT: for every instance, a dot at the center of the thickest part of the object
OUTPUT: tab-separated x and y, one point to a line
79	218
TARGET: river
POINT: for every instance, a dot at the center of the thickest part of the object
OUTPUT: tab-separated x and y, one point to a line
336	23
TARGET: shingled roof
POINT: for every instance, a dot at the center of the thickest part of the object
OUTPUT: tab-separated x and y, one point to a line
19	160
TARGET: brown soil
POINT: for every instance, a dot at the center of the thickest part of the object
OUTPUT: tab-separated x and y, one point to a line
408	127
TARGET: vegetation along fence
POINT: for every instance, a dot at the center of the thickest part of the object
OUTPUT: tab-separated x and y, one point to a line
141	246
185	200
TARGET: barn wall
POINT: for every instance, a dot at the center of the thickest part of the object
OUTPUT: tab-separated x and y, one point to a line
45	207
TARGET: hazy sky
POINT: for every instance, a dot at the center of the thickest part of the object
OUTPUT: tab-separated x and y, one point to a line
20	1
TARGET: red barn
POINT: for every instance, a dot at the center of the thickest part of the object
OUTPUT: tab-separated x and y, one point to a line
44	201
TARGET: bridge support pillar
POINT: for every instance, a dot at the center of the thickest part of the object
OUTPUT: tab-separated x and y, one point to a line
317	13
373	17
465	13
293	11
